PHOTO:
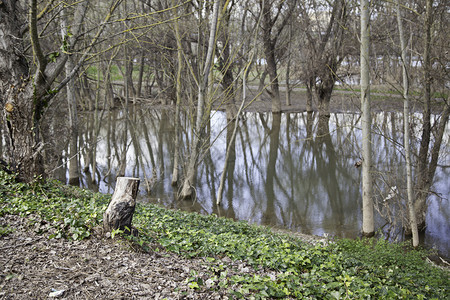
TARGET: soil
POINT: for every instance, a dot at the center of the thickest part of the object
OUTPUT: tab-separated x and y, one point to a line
35	267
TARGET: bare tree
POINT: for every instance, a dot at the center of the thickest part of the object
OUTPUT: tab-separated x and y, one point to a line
406	128
66	35
276	15
428	155
368	221
202	89
326	36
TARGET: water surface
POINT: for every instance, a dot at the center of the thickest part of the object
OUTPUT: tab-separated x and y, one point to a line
293	171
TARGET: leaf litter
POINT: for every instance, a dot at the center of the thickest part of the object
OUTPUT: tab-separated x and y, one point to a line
35	267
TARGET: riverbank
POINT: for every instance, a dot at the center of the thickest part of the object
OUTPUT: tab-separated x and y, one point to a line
186	255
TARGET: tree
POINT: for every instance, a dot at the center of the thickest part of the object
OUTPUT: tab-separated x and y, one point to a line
368	223
423	56
225	57
70	94
406	130
428	155
202	89
327	46
28	86
276	15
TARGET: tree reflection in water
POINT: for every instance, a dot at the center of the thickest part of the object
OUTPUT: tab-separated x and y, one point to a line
294	171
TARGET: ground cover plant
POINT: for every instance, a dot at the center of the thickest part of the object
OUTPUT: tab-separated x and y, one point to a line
269	265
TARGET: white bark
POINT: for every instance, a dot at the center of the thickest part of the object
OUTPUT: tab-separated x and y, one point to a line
406	123
74	177
192	166
178	103
368	221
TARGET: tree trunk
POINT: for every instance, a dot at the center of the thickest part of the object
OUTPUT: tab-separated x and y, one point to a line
119	213
406	123
189	181
425	180
226	68
426	129
178	95
309	94
324	91
17	94
288	69
141	75
74	177
368	221
269	53
25	98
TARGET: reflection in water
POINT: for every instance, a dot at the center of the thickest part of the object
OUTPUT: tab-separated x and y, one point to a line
293	171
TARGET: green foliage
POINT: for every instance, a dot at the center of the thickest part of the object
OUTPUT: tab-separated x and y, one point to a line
348	269
282	266
69	212
53	56
5	230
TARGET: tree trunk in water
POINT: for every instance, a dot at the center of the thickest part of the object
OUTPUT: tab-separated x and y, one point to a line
309	94
324	91
426	130
141	75
406	123
268	216
189	181
177	103
368	221
74	177
288	70
119	213
426	169
425	179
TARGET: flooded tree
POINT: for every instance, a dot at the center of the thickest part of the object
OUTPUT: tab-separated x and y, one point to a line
191	171
368	228
168	79
429	150
421	80
406	130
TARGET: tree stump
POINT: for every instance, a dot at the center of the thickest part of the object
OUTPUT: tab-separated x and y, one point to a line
119	213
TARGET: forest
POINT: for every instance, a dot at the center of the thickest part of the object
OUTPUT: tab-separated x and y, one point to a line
322	117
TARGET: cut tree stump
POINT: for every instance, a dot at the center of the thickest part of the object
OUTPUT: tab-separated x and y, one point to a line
119	213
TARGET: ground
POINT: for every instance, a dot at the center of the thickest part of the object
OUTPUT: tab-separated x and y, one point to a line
35	267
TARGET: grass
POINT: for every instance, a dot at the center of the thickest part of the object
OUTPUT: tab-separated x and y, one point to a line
347	269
